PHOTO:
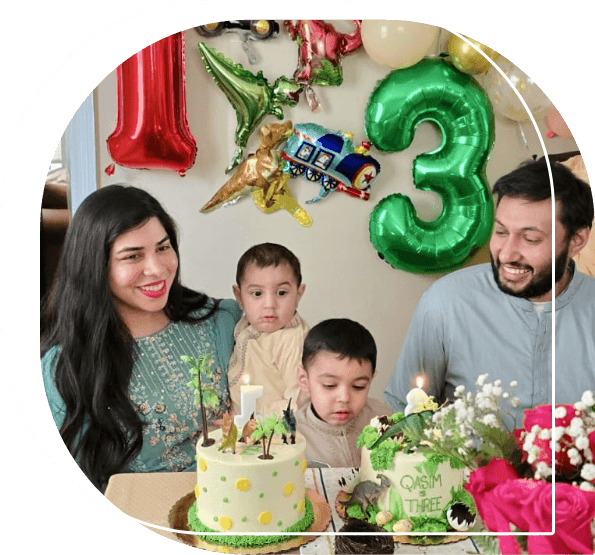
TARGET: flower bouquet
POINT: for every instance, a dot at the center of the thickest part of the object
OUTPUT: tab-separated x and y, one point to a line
512	472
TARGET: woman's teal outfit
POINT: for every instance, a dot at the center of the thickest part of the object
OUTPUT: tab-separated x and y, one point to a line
159	387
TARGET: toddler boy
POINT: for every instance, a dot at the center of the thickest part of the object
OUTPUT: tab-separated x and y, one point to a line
338	364
270	335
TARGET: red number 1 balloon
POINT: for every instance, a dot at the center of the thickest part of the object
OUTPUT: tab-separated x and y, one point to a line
152	130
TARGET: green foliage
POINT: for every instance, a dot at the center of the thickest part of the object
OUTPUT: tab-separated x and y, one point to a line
412	425
368	437
396	417
355	511
496	442
200	369
461	495
395	505
382	456
429	524
487	544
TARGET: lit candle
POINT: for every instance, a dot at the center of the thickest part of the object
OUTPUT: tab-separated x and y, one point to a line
420	381
249	394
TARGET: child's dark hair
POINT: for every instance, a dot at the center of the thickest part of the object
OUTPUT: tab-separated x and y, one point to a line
340	336
268	254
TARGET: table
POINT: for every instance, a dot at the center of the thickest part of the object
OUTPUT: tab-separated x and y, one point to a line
148	497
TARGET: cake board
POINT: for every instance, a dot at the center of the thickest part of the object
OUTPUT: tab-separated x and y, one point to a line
178	520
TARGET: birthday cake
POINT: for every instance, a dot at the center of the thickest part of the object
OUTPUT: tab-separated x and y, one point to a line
405	489
244	492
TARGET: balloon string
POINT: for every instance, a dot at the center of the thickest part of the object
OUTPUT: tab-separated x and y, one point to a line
522	135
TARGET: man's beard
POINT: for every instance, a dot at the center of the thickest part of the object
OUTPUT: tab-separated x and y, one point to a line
540	283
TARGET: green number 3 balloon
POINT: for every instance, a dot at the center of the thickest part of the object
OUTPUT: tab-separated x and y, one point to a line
434	91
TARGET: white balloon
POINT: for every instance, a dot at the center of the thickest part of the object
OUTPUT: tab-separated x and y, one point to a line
397	44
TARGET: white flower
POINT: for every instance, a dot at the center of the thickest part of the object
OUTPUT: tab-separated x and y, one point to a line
487	389
588	399
587	486
588	472
459	390
545	434
497	391
559	431
470	414
535	429
515	402
505	395
575	457
490	420
528	443
582	442
514	383
560	412
576	427
497	383
482	379
543	469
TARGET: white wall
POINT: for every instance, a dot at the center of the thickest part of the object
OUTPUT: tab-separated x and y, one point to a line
344	275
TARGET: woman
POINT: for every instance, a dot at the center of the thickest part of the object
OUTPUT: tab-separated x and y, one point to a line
117	321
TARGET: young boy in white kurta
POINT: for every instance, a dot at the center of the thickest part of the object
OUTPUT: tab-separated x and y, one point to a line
338	364
270	335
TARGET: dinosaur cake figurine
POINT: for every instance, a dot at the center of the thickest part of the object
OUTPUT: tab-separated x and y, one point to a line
289	422
367	492
251	96
230	433
248	430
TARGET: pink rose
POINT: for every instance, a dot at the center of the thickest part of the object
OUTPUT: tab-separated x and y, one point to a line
528	505
591	437
541	416
575	509
566	420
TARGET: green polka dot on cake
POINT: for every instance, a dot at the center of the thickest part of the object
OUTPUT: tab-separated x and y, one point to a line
215	518
225	500
275	473
261	494
279	523
223	478
295	505
204	489
296	463
244	518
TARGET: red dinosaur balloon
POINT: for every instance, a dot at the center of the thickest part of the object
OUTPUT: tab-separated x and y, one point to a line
321	48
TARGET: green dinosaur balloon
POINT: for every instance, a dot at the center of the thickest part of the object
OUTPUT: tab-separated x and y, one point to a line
250	95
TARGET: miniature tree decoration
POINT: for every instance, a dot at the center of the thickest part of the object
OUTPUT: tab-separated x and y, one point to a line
205	394
266	429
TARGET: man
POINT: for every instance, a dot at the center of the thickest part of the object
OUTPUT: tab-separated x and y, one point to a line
497	318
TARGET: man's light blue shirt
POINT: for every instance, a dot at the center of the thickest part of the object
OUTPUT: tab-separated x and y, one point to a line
464	326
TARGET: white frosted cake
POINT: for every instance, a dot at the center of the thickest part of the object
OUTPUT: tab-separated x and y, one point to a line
244	493
417	486
404	486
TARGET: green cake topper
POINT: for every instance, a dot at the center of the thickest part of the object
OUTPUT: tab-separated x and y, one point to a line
205	393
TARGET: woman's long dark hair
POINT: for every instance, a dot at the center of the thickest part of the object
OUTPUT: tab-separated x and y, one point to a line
101	427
